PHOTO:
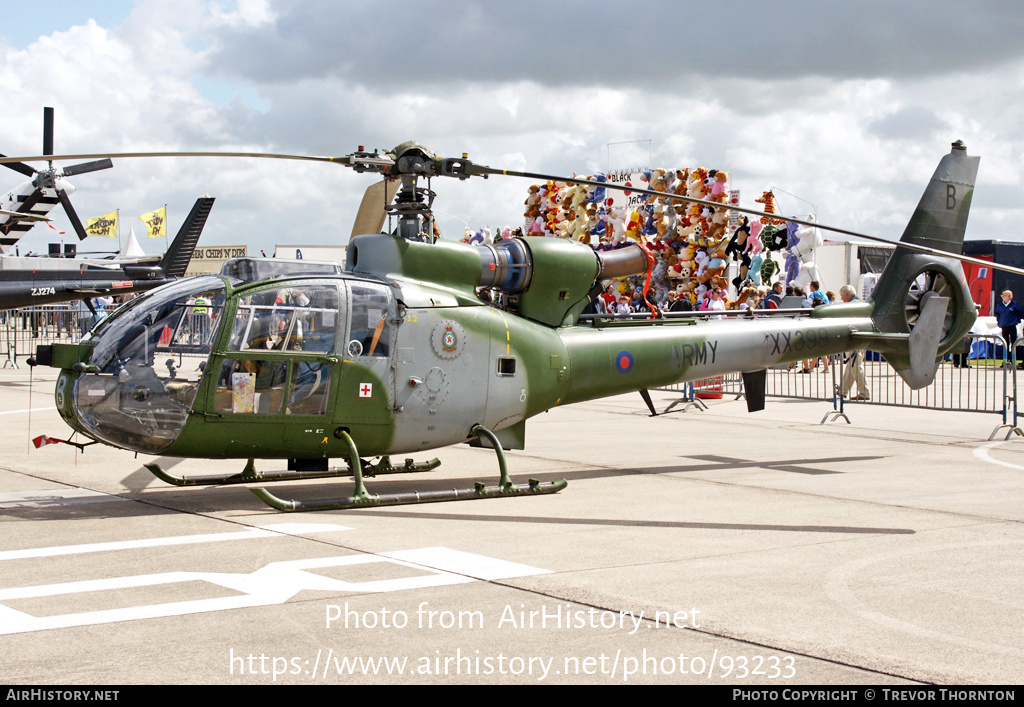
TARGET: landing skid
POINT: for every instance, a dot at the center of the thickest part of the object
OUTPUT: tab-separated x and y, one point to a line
361	498
251	475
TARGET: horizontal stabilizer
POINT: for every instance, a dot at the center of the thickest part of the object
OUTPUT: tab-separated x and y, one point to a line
914	356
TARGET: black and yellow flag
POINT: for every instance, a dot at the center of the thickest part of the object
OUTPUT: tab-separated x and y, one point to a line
103	225
156	222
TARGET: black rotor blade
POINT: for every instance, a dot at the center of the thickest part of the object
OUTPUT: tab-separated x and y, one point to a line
84	167
47	131
19	167
76	223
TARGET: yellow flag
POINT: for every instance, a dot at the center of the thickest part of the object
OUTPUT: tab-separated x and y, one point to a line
156	222
103	225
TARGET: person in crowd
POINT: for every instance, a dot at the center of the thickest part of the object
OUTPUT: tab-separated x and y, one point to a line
1008	315
854	371
774	298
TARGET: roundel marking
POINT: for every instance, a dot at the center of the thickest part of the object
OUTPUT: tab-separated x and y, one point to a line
448	339
623	362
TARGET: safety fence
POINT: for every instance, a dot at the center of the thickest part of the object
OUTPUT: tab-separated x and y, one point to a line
21	330
981	379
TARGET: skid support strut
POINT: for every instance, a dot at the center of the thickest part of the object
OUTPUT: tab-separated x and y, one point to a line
361	498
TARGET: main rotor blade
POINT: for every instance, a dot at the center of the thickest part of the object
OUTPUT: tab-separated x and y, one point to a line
482	170
84	167
76	223
17	167
343	160
373	208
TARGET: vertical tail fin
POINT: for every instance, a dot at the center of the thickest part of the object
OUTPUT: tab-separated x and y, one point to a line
176	260
941	216
911	280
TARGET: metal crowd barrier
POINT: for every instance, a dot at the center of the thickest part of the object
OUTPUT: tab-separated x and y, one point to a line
23	329
981	379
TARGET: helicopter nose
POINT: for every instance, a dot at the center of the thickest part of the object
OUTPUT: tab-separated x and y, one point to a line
137	387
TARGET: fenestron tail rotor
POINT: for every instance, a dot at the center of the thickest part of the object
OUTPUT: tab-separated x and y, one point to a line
929	284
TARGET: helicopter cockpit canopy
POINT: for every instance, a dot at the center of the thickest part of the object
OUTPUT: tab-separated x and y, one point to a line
145	367
204	345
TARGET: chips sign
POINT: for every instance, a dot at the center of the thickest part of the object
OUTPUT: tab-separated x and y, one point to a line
220	252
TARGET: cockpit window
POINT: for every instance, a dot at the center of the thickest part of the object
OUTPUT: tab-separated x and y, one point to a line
148	361
371	327
294	318
177	318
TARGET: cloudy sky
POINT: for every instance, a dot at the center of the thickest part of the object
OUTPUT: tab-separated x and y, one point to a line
844	108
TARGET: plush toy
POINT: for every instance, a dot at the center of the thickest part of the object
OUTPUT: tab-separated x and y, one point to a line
701	258
658	183
740	239
774	238
715	267
755	269
597	194
533	203
741	300
720	187
808	240
768	199
754	243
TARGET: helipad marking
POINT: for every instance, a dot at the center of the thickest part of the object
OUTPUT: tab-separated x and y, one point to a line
263	531
274	583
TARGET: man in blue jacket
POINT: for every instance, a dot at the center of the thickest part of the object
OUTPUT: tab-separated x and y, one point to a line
1008	315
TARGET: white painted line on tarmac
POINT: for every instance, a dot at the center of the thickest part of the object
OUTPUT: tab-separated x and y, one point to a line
274	583
478	566
16	412
982	453
263	531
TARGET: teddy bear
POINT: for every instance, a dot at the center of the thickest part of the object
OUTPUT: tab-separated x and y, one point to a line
715	267
720	188
533	202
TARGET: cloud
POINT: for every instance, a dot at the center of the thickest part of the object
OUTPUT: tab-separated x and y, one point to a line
405	44
849	108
